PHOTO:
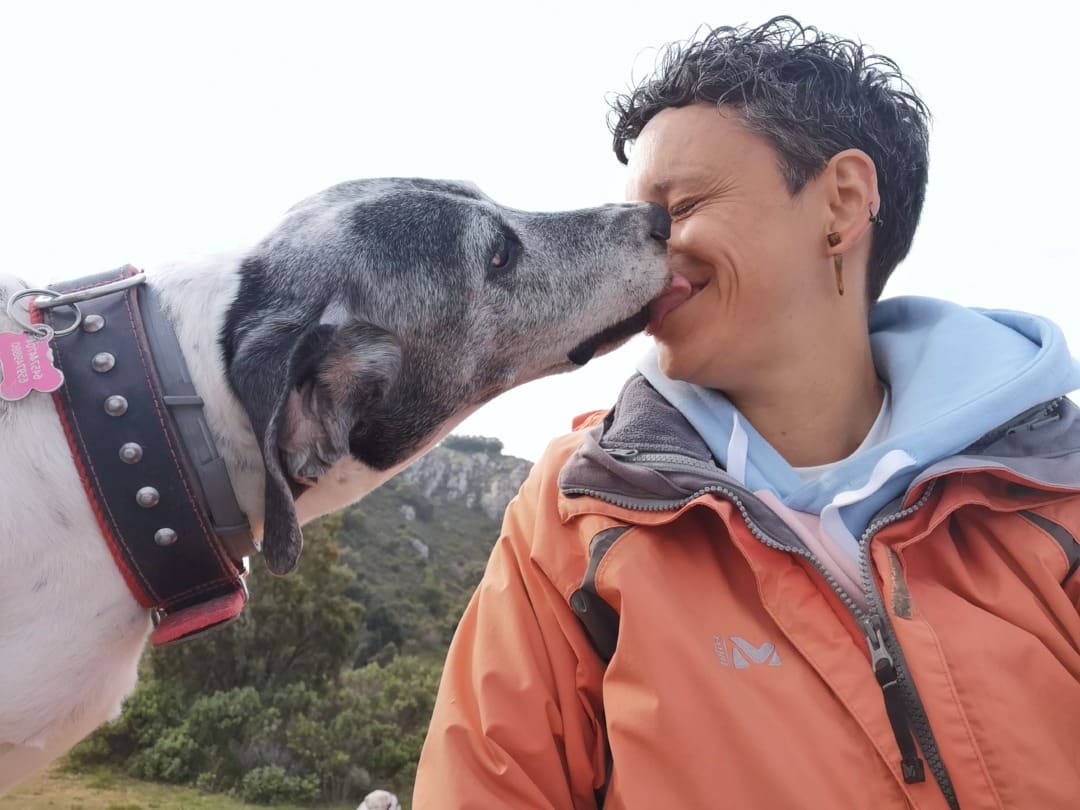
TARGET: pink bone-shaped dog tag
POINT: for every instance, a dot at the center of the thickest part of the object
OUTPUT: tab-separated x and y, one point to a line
26	364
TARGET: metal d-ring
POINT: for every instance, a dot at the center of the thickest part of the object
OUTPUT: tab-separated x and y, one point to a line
71	299
40	329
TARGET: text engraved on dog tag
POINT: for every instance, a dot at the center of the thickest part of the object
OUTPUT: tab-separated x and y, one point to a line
26	364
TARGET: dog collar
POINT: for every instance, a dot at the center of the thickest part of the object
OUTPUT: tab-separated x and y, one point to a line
136	428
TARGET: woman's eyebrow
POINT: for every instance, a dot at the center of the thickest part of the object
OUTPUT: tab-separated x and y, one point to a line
661	186
664	185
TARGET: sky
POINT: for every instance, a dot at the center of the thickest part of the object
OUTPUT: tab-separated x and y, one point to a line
147	132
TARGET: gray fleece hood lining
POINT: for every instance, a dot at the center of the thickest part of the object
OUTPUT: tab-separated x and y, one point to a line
1041	445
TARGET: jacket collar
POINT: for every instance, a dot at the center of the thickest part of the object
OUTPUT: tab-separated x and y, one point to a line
646	455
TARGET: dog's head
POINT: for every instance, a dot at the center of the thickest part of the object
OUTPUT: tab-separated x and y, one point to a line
381	311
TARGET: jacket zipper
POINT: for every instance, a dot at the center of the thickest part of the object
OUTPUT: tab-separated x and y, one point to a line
904	708
890	669
895	705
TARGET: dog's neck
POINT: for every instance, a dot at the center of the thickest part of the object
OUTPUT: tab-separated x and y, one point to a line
196	296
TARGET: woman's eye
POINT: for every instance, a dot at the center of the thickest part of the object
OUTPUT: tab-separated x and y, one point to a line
505	255
682	209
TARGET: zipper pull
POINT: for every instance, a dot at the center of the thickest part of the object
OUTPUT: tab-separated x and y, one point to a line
885	672
880	661
621	452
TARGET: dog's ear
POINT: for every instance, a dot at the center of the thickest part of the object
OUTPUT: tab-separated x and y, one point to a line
343	372
335	374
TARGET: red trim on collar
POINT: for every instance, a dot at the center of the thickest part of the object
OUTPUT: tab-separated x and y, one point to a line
192	621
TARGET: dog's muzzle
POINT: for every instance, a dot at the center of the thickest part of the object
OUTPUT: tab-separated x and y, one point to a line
587	349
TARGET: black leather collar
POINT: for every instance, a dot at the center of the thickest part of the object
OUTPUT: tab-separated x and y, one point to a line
148	462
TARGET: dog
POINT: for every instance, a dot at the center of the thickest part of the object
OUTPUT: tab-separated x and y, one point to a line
350	341
380	800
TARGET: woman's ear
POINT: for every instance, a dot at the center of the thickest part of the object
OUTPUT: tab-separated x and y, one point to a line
852	189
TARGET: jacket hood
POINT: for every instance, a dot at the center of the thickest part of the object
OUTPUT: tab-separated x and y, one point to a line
955	374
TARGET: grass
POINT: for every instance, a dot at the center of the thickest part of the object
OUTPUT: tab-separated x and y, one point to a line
60	790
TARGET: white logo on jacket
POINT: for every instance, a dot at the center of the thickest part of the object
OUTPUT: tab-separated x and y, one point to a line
743	653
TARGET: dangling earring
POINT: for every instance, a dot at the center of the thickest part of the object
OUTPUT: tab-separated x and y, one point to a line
838	261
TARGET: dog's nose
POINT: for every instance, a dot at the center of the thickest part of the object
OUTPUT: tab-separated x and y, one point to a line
659	223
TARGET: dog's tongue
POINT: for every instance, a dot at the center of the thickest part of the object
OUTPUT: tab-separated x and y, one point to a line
677	293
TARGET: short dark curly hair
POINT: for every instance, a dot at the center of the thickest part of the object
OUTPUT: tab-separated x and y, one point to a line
811	95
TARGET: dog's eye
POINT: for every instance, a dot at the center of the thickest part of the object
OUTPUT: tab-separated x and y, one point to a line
505	255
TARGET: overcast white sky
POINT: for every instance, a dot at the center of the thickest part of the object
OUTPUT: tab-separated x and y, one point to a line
144	132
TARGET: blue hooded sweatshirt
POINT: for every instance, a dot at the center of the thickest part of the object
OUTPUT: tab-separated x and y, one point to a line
954	374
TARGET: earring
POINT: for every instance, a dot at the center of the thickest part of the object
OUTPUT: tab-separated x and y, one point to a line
833	239
875	219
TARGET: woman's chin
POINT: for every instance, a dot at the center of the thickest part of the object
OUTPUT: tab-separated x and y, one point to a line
678	361
670	360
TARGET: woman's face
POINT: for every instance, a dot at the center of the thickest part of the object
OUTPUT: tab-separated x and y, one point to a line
754	255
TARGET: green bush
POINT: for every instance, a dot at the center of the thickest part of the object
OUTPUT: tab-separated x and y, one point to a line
221	723
473	444
174	757
270	784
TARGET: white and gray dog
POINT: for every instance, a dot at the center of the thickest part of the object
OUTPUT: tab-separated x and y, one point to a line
380	800
349	342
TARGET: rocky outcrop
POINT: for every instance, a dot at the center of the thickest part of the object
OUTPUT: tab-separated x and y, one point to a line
472	471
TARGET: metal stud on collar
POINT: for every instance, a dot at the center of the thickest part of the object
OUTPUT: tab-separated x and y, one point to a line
164	537
147	497
116	405
131	453
93	323
102	362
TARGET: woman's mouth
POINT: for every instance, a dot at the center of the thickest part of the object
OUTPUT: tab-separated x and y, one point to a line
678	292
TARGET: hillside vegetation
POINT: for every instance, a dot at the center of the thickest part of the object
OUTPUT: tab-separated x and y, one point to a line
323	689
61	789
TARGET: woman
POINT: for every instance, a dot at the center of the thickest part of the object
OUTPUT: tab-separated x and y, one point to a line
822	553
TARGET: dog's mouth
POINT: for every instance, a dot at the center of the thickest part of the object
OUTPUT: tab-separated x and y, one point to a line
678	291
609	338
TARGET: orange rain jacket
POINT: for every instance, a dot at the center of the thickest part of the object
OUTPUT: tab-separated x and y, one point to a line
742	677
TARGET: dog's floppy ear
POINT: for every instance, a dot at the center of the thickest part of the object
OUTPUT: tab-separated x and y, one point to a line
334	375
